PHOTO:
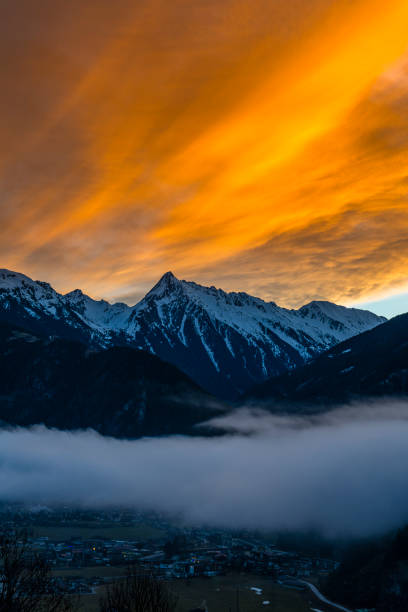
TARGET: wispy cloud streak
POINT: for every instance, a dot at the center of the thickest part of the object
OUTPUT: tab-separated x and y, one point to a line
141	137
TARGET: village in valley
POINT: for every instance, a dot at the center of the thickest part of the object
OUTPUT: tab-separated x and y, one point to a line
87	549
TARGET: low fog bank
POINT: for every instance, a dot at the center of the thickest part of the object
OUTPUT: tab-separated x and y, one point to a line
343	473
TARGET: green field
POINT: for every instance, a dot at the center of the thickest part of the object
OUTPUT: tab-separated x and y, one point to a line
89	603
220	595
111	532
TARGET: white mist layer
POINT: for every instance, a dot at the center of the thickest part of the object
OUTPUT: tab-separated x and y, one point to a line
344	473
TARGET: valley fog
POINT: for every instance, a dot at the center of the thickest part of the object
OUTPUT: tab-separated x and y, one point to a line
342	473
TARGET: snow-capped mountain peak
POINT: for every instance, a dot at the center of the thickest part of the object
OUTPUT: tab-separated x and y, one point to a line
167	285
32	295
75	295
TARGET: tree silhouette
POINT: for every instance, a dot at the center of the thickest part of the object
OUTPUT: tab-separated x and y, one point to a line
137	593
26	581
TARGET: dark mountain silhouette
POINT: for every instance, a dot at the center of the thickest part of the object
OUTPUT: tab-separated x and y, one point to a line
117	391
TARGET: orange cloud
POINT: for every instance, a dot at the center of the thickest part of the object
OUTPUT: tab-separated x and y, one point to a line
232	142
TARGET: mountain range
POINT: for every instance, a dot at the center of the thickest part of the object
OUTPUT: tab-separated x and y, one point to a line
225	342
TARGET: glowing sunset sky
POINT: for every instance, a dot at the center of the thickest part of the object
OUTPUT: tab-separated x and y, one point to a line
257	145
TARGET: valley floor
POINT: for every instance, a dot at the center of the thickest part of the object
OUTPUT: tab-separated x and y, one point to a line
222	593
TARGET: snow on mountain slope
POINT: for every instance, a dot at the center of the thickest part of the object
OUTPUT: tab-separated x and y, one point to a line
321	322
98	313
371	364
36	305
224	341
236	339
31	293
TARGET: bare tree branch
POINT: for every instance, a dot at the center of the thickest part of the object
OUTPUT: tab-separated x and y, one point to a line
138	593
27	584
